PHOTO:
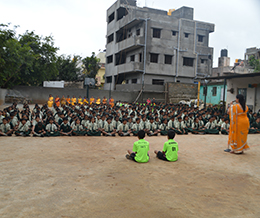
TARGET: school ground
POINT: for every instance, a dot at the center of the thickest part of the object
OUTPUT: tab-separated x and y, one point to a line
72	177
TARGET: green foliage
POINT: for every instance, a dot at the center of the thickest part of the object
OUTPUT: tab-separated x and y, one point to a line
27	59
68	68
255	63
91	65
44	63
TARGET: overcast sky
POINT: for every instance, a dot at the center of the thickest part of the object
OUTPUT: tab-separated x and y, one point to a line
79	26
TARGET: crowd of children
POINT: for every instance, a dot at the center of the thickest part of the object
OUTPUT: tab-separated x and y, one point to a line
77	117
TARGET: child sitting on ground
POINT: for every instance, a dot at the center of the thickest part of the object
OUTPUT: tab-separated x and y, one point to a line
140	149
170	149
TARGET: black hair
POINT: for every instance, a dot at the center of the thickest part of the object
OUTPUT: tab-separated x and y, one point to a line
241	100
171	134
141	134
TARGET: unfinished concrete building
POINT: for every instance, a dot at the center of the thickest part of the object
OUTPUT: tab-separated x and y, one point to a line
147	48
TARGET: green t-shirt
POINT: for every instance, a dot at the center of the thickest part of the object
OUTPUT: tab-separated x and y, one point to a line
141	148
171	150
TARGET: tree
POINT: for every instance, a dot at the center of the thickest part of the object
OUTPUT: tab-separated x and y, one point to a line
68	68
44	64
12	57
255	63
91	65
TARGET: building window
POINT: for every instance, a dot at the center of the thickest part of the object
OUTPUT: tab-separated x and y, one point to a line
138	32
203	61
111	17
174	33
156	33
134	81
158	82
140	57
214	91
154	58
243	92
109	79
110	38
168	59
132	58
200	38
205	88
120	58
110	59
121	12
127	81
186	35
188	62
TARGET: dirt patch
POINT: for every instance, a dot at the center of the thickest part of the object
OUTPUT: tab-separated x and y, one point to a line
90	177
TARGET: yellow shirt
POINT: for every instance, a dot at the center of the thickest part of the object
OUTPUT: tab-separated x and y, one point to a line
98	101
50	102
73	101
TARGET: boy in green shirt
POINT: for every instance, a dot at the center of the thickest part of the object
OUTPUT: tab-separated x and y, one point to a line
140	149
170	149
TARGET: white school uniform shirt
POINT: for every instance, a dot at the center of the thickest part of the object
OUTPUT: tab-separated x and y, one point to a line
151	126
116	124
210	125
108	127
171	124
201	122
137	126
183	124
101	124
220	123
225	126
51	127
195	125
23	128
85	123
163	127
5	127
77	127
178	124
14	121
1	118
123	127
92	126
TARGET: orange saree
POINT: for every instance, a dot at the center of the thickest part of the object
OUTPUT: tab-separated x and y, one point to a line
238	130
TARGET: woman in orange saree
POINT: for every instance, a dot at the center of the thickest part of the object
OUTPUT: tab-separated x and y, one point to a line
57	101
239	126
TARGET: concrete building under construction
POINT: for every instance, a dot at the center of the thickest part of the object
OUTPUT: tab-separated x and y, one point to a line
147	47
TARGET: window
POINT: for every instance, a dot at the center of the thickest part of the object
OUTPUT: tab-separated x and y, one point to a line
186	35
188	62
110	38
140	57
127	81
121	12
154	58
132	58
120	58
205	89
168	59
138	32
200	38
174	33
156	33
242	92
203	61
158	82
109	79
214	91
111	17
110	59
134	81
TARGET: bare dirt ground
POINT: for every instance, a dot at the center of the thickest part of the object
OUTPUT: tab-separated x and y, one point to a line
89	177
